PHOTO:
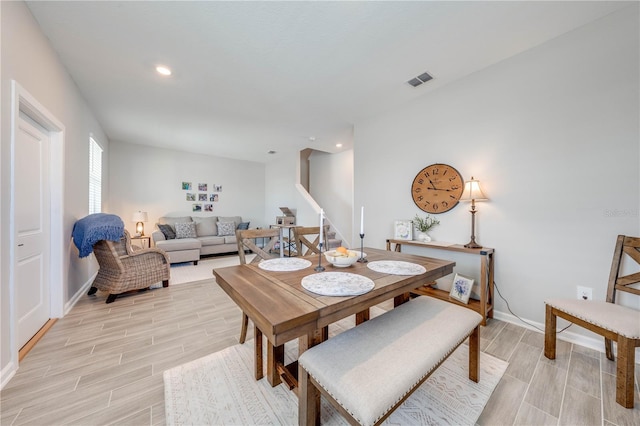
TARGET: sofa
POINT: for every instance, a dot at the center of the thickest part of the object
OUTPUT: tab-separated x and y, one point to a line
187	238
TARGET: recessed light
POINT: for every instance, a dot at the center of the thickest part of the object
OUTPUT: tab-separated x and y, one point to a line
312	138
163	70
338	145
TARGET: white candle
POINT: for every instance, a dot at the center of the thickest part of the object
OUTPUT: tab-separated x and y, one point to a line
362	220
321	224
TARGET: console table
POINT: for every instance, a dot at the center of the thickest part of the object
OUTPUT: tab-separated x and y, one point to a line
484	306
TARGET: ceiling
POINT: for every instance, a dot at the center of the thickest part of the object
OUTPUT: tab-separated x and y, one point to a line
249	77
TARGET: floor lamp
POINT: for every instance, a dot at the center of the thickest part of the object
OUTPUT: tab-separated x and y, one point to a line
472	192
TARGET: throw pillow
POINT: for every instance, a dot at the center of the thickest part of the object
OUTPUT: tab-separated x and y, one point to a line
185	230
206	226
226	228
243	225
167	231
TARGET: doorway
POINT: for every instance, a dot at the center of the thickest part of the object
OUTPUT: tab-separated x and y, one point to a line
36	246
32	214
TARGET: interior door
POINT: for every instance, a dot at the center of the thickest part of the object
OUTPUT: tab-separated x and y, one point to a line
32	228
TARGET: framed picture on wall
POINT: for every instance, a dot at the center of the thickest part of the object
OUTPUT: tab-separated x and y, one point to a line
461	288
197	207
186	186
202	197
191	196
202	187
208	207
403	230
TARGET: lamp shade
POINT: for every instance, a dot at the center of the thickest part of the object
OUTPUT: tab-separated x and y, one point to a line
472	191
140	217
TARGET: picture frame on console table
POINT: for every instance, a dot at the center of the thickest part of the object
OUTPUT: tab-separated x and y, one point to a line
403	230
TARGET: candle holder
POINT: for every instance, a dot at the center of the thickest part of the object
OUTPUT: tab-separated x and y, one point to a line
362	258
319	268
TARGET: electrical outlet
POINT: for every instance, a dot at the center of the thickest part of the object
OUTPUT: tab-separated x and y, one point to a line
585	293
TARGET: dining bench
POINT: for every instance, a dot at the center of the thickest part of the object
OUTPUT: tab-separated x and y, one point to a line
368	371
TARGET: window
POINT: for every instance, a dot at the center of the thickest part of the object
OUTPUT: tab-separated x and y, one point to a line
95	177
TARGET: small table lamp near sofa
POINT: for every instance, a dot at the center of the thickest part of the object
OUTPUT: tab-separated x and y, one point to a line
140	217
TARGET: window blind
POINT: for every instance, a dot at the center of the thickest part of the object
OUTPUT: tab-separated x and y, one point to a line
95	177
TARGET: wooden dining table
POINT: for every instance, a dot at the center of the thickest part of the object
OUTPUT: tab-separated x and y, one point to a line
282	310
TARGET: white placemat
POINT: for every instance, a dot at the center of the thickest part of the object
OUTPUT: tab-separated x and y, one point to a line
281	264
396	267
337	284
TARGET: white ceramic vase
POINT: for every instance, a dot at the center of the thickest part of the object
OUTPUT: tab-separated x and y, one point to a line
424	237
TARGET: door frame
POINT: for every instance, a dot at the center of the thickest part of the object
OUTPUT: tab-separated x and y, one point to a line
21	100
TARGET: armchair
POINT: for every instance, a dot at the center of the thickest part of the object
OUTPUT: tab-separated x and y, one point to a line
124	269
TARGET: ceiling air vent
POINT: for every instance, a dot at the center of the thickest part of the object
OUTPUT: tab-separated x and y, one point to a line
422	78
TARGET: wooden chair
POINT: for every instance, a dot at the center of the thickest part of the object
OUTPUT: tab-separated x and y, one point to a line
305	245
246	239
124	269
613	322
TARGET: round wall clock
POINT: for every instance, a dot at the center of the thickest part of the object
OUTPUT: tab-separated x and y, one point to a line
437	188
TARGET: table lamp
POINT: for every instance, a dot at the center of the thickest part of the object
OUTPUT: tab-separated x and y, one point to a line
140	218
472	192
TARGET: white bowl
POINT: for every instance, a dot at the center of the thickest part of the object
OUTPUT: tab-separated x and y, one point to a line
342	261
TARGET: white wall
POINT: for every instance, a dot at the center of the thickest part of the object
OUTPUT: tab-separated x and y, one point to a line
553	136
149	179
281	175
28	58
331	185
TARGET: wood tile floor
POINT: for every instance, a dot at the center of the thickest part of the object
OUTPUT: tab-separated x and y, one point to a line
102	364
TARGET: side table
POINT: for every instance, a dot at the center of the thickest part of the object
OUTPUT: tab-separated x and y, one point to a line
484	306
142	239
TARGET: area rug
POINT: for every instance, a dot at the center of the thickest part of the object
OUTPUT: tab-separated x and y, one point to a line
187	272
220	389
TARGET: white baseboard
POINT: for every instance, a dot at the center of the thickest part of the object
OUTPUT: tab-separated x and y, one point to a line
596	342
83	290
8	372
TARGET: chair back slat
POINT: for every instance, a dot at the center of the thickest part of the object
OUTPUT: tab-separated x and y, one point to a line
618	282
307	239
246	241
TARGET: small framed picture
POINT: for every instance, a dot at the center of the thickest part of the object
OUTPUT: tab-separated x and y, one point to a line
202	187
461	288
186	186
191	196
403	230
202	197
197	207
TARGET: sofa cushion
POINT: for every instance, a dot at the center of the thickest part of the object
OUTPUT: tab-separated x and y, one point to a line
171	221
179	244
243	225
226	229
231	240
206	226
185	230
234	219
167	231
212	240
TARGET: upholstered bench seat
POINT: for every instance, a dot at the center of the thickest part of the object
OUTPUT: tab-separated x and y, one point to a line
609	316
370	369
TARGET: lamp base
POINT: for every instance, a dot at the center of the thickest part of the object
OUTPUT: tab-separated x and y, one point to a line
473	244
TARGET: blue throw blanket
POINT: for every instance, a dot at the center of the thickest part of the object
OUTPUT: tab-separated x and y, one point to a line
95	227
